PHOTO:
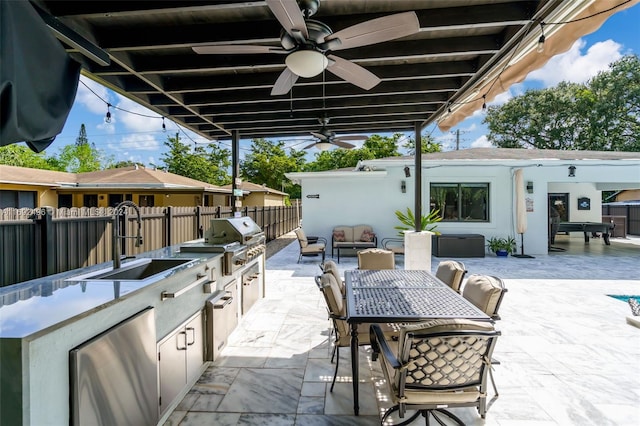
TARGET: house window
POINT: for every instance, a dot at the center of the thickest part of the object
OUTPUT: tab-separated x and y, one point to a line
208	200
90	200
114	199
146	200
461	202
17	199
65	200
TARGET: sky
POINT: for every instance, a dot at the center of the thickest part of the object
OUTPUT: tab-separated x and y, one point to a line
137	135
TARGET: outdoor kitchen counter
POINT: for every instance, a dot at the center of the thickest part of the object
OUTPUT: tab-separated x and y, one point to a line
34	306
42	320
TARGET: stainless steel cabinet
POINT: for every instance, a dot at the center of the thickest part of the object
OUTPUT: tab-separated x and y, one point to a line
180	358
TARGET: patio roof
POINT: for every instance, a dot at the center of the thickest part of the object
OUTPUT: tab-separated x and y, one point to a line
465	53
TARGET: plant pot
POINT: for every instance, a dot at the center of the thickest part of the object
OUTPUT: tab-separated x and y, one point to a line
502	253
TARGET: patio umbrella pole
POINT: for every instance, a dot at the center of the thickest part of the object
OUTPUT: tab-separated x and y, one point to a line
522	255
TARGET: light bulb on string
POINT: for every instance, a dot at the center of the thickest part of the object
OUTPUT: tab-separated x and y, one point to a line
484	102
107	117
164	127
541	40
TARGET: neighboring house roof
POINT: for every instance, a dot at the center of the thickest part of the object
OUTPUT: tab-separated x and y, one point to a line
133	177
254	187
27	176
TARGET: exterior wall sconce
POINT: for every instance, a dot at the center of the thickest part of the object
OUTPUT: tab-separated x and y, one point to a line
403	186
572	171
407	171
530	187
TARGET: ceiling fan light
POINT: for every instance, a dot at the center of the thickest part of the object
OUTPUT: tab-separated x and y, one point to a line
323	146
306	63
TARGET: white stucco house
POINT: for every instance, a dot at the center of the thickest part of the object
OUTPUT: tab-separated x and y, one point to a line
474	188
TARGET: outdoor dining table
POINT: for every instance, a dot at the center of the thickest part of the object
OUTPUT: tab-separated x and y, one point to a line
399	296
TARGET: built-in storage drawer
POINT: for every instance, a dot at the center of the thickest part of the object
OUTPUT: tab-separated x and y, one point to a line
180	359
251	281
222	319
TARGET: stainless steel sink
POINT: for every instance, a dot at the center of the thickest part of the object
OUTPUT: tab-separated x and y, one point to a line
136	270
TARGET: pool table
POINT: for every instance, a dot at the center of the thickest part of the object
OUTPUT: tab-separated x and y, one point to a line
586	228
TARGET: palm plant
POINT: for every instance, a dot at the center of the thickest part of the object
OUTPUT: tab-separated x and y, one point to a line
427	223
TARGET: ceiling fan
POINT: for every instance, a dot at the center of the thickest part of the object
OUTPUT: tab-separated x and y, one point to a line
308	43
327	138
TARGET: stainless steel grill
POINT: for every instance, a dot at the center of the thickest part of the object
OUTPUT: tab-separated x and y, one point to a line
239	238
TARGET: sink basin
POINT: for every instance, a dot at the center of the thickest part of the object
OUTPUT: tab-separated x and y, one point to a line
134	271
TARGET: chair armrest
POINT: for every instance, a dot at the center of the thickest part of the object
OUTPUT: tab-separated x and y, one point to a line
386	241
322	240
379	345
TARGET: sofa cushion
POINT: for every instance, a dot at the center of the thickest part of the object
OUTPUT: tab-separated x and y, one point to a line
348	232
338	236
367	236
359	229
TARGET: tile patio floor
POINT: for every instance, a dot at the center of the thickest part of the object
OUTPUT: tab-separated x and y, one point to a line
567	355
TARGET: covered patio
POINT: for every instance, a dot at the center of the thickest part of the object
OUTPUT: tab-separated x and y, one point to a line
567	355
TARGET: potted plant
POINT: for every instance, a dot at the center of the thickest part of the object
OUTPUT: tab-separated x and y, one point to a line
502	246
427	223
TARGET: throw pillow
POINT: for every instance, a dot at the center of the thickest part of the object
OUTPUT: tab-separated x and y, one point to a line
338	236
367	236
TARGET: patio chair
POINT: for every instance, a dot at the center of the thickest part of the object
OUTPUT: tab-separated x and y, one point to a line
396	245
341	329
375	258
486	293
451	273
331	267
435	365
307	249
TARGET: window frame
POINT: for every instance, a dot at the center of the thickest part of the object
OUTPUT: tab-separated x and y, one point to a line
459	206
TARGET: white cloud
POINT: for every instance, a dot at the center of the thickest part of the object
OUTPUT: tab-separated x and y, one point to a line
135	117
88	99
574	67
136	142
481	142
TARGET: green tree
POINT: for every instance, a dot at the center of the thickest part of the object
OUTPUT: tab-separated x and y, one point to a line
21	156
208	164
375	146
428	145
82	158
602	114
82	136
268	162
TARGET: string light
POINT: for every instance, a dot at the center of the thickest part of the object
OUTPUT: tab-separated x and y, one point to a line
484	102
541	40
107	118
164	128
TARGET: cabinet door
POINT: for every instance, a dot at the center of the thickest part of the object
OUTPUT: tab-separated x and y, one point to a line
172	367
195	347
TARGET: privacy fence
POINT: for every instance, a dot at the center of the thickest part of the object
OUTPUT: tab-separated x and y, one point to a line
46	241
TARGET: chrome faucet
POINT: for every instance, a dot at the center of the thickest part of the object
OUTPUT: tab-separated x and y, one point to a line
120	209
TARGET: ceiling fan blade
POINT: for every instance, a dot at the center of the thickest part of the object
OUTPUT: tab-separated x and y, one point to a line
376	31
284	83
354	138
236	49
353	73
341	144
288	13
310	146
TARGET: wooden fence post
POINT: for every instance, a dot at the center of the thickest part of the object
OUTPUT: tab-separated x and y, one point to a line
48	243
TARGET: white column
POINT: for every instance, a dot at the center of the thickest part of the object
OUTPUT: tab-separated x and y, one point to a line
417	250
